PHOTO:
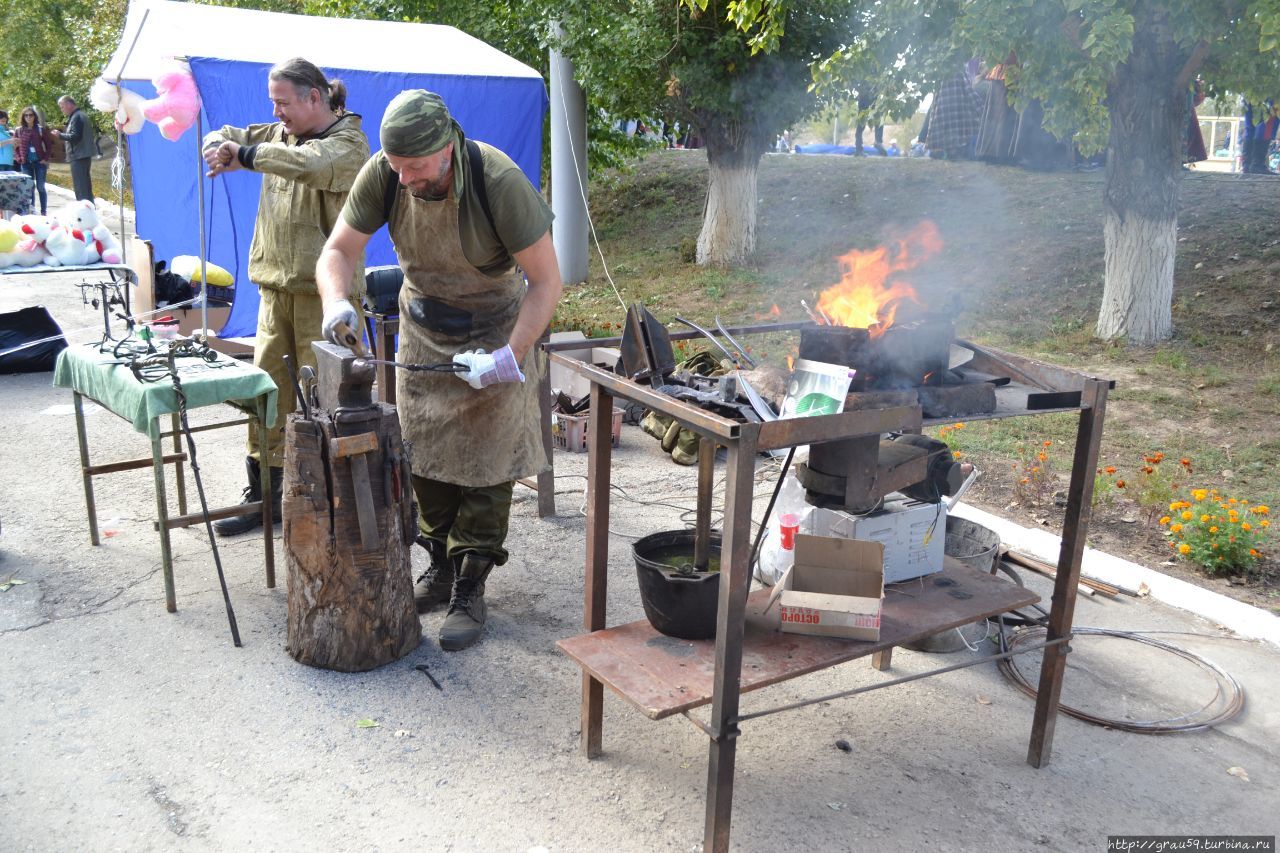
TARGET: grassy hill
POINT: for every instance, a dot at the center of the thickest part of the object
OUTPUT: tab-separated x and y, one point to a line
1024	253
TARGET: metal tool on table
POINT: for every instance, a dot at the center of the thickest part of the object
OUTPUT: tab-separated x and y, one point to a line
706	334
646	347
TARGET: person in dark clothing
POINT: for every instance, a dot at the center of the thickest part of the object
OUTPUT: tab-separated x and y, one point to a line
80	146
34	142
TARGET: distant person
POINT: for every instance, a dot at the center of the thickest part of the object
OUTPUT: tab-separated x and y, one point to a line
1193	147
34	143
80	146
953	119
7	142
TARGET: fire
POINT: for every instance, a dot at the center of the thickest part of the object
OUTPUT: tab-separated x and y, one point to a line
774	313
865	297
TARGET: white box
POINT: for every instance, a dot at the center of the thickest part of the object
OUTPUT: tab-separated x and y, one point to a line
564	378
912	532
835	588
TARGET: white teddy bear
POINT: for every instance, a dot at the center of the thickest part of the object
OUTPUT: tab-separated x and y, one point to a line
101	243
66	247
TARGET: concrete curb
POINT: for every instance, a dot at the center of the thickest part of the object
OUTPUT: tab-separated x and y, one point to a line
1244	619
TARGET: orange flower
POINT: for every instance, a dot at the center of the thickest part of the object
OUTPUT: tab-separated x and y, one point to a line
1110	469
1199	494
1253	552
1184	548
1260	509
1047	443
1264	523
1186	515
1213	530
1119	484
1186	463
1147	469
1204	519
1042	457
959	426
957	454
1175	528
1246	526
1164	520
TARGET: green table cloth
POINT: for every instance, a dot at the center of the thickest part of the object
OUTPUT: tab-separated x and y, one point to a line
101	377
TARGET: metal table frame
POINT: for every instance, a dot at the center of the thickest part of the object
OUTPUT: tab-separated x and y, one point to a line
157	461
743	442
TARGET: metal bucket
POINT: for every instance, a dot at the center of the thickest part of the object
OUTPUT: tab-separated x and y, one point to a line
677	602
978	547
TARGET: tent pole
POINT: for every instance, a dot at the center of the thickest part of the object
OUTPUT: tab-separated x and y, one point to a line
204	276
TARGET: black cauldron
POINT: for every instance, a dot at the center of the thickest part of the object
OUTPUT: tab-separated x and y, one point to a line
678	601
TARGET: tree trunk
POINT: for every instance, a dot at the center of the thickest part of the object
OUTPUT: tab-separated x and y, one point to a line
350	607
728	236
1148	121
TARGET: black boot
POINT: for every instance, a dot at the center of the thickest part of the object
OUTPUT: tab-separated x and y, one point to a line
435	585
237	524
467	610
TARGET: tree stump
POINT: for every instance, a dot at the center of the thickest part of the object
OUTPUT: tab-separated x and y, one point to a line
350	606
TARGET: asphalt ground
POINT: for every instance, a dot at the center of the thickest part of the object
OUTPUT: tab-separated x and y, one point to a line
123	727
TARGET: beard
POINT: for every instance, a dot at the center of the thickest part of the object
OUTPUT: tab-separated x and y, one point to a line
437	188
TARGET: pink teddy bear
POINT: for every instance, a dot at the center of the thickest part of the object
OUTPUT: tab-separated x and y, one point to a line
176	104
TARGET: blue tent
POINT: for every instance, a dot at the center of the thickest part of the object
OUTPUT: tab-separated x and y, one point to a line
495	98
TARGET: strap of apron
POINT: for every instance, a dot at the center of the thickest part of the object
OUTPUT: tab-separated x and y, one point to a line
475	163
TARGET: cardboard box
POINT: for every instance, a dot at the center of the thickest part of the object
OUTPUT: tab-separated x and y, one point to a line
564	379
912	532
835	588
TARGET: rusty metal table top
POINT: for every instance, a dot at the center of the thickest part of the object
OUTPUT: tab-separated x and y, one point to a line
664	675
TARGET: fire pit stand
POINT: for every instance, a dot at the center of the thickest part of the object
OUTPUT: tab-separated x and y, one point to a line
748	651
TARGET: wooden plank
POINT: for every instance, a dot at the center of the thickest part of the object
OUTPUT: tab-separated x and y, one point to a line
664	675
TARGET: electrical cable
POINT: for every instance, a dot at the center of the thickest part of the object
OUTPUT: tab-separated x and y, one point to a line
1227	701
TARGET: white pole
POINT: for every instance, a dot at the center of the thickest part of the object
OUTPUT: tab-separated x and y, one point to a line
568	168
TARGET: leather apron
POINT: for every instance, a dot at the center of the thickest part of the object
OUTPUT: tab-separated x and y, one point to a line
460	435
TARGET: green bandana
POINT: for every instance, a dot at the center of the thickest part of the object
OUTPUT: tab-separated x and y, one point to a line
416	123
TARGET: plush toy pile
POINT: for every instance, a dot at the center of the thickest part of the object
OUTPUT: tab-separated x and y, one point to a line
75	238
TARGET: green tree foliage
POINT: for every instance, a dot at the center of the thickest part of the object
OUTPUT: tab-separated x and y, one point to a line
54	48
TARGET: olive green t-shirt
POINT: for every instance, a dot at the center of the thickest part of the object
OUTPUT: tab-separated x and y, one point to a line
520	216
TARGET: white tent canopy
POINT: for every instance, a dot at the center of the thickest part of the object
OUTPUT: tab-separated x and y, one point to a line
244	35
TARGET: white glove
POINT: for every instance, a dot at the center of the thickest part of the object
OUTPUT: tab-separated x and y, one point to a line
339	311
484	369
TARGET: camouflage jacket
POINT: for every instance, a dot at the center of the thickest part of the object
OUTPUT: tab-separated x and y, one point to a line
305	182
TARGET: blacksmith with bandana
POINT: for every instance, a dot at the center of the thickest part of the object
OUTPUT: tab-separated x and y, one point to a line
464	300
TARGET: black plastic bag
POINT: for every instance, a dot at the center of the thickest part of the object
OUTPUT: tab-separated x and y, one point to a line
19	328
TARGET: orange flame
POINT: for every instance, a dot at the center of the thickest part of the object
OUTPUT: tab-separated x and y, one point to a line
865	298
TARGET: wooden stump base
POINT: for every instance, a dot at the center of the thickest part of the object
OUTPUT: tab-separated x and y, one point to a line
350	607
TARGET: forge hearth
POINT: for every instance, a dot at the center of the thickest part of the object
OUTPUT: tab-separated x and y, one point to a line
905	355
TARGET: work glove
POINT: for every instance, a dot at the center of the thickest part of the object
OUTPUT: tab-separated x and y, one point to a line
484	369
339	311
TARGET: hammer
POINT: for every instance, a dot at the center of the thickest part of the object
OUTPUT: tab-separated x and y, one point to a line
354	448
350	339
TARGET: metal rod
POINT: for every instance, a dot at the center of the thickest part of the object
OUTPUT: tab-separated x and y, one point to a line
204	275
757	329
893	682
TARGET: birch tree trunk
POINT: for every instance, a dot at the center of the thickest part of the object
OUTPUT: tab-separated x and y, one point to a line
1148	121
728	236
